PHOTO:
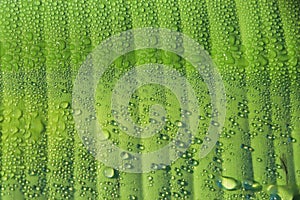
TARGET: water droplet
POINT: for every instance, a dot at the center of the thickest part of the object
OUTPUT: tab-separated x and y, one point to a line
109	172
61	45
275	197
251	185
228	183
246	147
228	58
64	104
17	113
125	156
29	36
128	166
179	124
76	112
140	147
104	135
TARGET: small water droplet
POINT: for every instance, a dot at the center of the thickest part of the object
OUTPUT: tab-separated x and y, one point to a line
179	124
29	36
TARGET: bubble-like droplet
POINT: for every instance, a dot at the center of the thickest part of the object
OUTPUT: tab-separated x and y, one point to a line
228	183
125	156
246	147
109	172
61	45
76	112
104	135
251	185
154	166
283	192
150	178
64	104
140	147
179	124
132	197
275	197
27	135
29	36
128	166
17	113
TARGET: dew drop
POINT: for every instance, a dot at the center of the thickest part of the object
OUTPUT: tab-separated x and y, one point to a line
105	135
125	156
64	104
109	172
228	183
251	185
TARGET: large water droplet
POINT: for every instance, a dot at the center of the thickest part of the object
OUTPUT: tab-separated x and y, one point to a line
125	156
228	183
275	197
251	185
109	172
104	135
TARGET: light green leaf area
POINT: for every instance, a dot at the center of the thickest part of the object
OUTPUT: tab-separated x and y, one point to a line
255	48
